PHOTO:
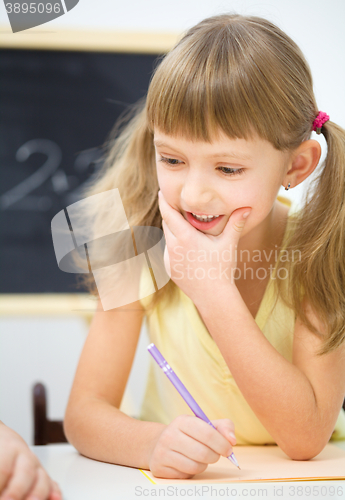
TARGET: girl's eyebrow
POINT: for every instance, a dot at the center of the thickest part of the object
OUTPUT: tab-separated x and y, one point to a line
216	155
228	153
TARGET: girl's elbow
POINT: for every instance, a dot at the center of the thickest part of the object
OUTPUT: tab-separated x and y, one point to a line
304	451
70	425
302	454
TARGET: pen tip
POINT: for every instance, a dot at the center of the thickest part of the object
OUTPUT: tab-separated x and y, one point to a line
239	467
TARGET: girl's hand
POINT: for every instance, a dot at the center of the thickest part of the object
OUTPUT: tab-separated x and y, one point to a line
200	264
21	474
188	444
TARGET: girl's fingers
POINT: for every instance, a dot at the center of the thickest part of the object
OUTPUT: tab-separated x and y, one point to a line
233	229
197	451
185	464
175	221
55	493
7	461
42	486
170	473
201	431
226	428
23	478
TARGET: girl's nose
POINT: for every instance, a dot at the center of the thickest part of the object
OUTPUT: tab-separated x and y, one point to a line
196	192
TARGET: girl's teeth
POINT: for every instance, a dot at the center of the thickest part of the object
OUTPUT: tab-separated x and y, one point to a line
205	218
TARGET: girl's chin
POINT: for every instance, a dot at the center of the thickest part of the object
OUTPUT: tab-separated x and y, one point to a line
211	232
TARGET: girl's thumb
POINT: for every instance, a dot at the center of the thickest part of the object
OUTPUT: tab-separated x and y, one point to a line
240	219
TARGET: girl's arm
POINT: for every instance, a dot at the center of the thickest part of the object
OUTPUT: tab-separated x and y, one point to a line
298	402
93	422
98	429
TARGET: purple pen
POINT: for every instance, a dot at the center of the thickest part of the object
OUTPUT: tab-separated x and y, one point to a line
193	405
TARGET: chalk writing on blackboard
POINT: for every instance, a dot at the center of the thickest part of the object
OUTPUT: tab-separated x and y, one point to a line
22	197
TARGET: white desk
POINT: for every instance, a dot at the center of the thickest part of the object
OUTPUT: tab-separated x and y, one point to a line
83	479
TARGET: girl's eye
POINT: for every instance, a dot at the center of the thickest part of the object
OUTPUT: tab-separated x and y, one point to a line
226	170
232	171
169	161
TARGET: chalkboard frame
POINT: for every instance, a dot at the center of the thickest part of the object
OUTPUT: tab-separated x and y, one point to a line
52	38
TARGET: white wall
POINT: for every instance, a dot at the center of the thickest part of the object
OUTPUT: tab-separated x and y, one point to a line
32	349
47	349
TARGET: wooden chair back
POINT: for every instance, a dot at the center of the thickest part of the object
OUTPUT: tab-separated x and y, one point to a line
45	431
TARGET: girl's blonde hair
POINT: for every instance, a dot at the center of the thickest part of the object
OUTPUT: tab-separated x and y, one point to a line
244	76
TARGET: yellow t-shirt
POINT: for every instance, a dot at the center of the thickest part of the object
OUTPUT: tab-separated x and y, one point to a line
180	334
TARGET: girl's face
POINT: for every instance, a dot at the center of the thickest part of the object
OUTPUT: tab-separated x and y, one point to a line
217	178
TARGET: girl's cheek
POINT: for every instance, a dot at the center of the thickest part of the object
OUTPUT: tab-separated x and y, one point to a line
161	183
168	188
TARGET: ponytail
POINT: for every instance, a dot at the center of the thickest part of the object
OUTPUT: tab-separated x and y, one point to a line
319	233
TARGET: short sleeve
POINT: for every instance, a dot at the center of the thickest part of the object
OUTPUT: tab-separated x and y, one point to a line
146	287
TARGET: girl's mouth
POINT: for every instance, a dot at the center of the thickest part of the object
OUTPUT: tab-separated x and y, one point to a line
205	224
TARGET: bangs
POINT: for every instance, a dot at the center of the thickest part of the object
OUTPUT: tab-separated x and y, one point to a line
223	76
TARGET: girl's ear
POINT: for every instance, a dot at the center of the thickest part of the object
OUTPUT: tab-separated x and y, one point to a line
303	162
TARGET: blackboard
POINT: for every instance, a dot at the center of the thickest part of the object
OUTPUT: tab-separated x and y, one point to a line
56	111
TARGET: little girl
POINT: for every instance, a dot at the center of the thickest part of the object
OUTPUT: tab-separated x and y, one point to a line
252	320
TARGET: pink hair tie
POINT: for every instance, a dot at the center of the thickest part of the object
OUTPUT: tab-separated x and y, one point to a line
319	121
